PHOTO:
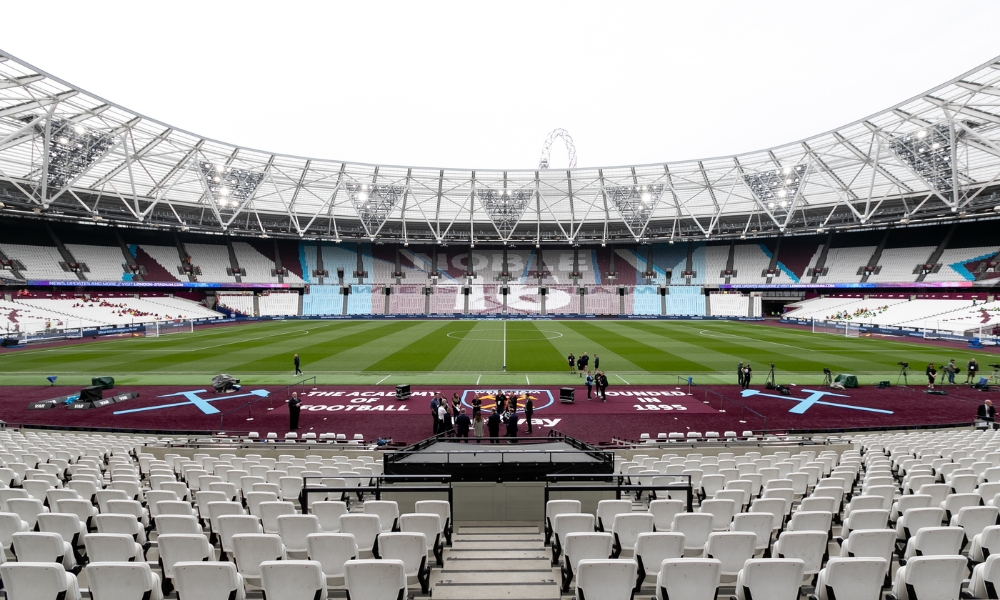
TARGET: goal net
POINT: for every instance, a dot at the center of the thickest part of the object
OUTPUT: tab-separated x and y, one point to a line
44	331
169	327
837	328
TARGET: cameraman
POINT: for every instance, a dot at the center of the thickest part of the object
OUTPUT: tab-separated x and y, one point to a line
950	369
973	369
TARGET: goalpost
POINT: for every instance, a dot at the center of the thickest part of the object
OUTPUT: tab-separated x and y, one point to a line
158	328
845	329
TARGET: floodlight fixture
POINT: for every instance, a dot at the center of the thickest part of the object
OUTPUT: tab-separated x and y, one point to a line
504	207
635	203
929	159
72	150
374	203
229	186
766	186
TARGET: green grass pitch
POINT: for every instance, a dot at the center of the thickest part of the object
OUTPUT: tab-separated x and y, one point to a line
472	352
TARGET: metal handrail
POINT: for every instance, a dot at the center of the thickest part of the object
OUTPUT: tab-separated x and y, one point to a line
379	486
617	481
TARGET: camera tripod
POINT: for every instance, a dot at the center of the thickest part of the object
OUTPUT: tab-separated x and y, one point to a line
827	377
995	377
902	375
770	378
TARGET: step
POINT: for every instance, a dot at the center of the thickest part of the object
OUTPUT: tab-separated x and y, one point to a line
486	529
495	554
456	577
490	537
497	591
483	565
501	544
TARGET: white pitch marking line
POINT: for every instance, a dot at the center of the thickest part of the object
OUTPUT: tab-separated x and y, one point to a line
478	378
528	380
708	333
383	379
620	377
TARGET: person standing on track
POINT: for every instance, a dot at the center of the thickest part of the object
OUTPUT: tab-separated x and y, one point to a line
447	422
931	375
442	413
747	375
602	386
295	359
971	370
512	427
435	404
477	426
529	407
590	383
951	369
462	424
294	407
493	425
739	373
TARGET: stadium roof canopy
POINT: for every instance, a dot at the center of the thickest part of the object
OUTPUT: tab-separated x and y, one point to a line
68	154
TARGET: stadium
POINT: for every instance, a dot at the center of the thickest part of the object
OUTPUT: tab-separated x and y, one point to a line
156	285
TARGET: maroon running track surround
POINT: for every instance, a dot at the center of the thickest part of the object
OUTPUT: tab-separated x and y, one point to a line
628	412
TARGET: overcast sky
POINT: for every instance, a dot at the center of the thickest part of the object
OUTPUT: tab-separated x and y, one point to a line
481	84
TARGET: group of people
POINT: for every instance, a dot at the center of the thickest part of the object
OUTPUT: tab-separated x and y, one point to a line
950	370
596	379
858	313
450	418
744	373
125	310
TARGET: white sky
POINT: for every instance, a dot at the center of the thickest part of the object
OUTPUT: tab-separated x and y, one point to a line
480	84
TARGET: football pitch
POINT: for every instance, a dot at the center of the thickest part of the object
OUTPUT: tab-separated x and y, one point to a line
475	352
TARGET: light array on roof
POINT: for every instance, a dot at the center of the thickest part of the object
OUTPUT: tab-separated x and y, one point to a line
504	207
635	203
928	153
228	185
72	150
776	188
374	203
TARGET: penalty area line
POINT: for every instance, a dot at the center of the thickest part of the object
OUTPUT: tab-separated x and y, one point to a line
383	379
623	379
478	378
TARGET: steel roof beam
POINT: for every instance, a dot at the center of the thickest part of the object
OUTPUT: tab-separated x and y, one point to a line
20	81
868	160
33	104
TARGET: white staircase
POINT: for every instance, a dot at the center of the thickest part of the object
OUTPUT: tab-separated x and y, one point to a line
496	562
